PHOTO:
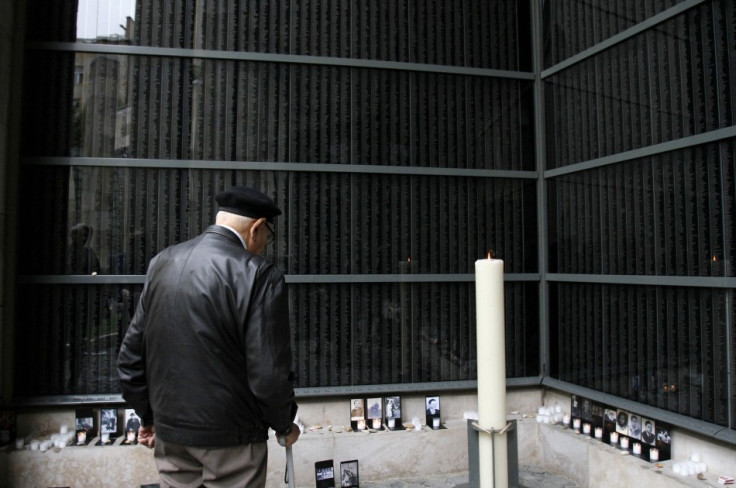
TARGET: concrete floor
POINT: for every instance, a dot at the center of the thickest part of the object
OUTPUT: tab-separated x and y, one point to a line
529	477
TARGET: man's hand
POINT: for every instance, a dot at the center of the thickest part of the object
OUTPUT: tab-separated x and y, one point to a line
147	436
290	439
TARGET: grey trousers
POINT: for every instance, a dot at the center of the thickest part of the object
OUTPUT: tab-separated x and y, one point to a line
227	467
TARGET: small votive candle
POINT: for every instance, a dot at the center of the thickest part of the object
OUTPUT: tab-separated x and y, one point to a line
599	432
130	436
391	423
63	429
637	448
624	442
614	437
105	438
654	454
34	445
566	419
19	443
586	428
376	423
436	423
576	424
81	437
361	424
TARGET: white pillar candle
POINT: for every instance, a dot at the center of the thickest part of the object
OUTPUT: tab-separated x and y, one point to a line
131	436
19	443
614	437
435	422
624	442
599	432
105	438
391	423
586	428
376	423
566	419
81	437
63	429
491	354
34	445
361	424
654	454
576	424
637	448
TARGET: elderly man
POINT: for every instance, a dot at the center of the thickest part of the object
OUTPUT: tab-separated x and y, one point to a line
206	361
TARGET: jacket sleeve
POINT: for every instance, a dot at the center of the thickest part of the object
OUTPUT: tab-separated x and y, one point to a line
268	351
132	364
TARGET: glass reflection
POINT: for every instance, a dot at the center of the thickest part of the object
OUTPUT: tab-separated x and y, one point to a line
105	20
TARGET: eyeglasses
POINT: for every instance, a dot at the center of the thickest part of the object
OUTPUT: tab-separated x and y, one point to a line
271	236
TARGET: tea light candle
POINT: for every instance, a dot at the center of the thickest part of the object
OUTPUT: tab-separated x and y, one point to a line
391	423
654	454
614	437
436	423
599	432
637	448
81	437
376	423
586	428
576	424
624	442
361	424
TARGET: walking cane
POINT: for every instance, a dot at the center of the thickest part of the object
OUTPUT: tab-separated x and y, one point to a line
289	475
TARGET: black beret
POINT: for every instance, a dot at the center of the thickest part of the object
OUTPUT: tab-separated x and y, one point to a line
247	202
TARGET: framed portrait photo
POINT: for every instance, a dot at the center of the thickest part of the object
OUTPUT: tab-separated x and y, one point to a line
349	476
392	410
324	473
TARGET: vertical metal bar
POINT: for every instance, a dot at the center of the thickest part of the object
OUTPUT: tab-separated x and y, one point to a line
539	138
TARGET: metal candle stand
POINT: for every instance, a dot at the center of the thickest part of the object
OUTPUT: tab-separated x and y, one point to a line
474	431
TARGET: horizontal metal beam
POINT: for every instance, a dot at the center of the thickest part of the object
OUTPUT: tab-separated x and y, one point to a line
647	280
125	49
644	152
622	36
276	166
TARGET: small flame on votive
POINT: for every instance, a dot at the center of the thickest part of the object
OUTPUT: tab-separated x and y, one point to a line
490	254
408	259
714	258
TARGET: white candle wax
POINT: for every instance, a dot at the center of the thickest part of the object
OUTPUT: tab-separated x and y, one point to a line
63	429
130	436
391	423
376	423
34	445
19	443
599	432
624	442
654	454
576	424
105	438
81	437
361	424
491	375
614	437
637	448
436	423
566	419
586	428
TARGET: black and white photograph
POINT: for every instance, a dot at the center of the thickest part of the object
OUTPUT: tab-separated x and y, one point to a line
108	421
357	409
634	426
648	435
433	406
84	420
132	423
349	474
393	407
622	422
324	473
375	409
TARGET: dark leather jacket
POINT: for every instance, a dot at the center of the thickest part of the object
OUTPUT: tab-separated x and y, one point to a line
207	356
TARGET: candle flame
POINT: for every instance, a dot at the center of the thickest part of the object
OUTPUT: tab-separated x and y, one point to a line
408	259
714	258
490	254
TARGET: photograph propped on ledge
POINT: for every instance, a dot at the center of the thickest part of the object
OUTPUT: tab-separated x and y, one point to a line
375	413
432	404
357	414
349	474
392	409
